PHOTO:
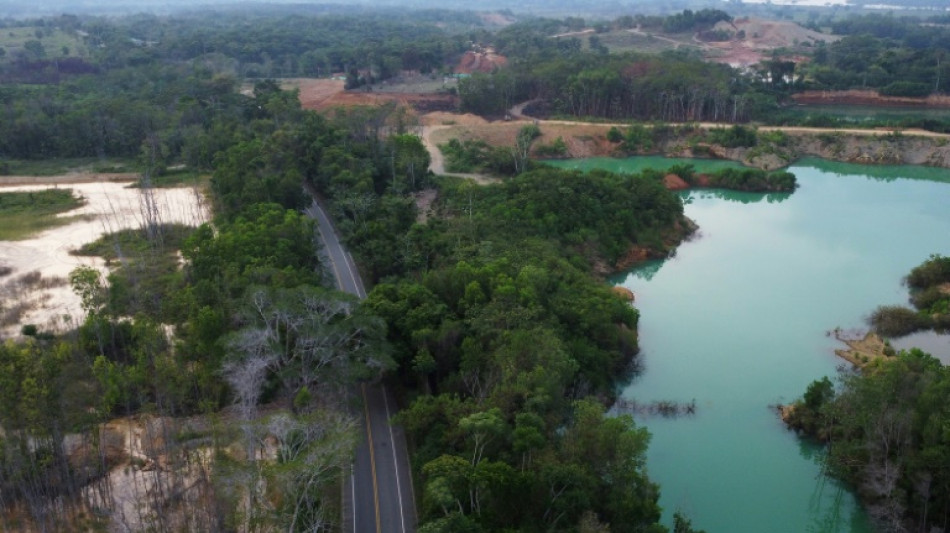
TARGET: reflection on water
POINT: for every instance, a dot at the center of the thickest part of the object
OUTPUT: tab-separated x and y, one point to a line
734	196
635	165
886	173
931	342
646	270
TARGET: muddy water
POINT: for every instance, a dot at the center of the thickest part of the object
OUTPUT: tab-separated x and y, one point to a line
738	321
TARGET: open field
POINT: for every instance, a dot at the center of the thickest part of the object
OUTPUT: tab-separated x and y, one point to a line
630	41
752	40
53	41
323	94
109	207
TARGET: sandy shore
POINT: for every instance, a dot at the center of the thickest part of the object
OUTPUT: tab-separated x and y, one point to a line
110	206
861	351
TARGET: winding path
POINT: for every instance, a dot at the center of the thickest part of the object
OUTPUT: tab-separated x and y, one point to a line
437	160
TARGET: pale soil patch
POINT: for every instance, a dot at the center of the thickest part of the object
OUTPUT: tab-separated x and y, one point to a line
110	206
428	101
588	139
313	92
761	37
582	139
424	200
497	19
861	350
72	177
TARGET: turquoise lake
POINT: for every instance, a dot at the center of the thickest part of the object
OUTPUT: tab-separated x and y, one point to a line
739	318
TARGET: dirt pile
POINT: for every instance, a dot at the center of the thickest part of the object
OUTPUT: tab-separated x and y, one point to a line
752	39
674	182
475	61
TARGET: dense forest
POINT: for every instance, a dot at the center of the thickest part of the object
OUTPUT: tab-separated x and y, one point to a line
488	316
886	425
886	429
227	340
673	86
576	76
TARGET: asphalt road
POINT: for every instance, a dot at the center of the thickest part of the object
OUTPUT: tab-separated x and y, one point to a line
378	494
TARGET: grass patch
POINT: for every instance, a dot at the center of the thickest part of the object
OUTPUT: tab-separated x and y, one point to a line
23	214
149	275
53	40
56	167
177	178
136	243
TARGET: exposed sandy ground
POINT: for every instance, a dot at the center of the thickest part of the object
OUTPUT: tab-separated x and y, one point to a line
588	139
324	94
861	350
761	37
487	61
314	92
110	206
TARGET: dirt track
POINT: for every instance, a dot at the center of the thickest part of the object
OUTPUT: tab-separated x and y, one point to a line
72	177
323	94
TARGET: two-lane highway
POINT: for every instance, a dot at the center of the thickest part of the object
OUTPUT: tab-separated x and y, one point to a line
378	494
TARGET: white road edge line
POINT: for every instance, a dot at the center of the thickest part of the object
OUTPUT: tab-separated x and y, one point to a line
353	492
392	442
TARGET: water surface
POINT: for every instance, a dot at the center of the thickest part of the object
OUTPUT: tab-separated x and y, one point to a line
633	165
738	321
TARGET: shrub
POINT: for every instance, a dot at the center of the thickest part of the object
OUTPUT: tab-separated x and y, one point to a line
614	135
556	149
931	299
905	88
933	271
736	136
897	321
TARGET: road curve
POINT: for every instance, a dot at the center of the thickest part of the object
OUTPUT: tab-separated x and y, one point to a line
378	494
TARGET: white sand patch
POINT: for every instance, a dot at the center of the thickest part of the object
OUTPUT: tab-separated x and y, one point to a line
109	207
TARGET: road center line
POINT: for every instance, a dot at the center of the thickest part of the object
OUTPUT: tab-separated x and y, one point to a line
372	457
392	441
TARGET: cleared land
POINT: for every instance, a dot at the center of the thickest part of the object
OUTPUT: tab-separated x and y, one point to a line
109	207
12	40
323	94
751	40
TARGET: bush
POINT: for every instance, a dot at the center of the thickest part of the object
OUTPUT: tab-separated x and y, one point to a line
931	300
753	180
778	138
905	88
933	271
556	149
467	156
614	135
638	138
735	137
897	321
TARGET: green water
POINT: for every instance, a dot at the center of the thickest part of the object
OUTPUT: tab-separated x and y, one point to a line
633	165
737	320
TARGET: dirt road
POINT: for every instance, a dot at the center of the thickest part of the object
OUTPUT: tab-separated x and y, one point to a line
518	113
437	160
